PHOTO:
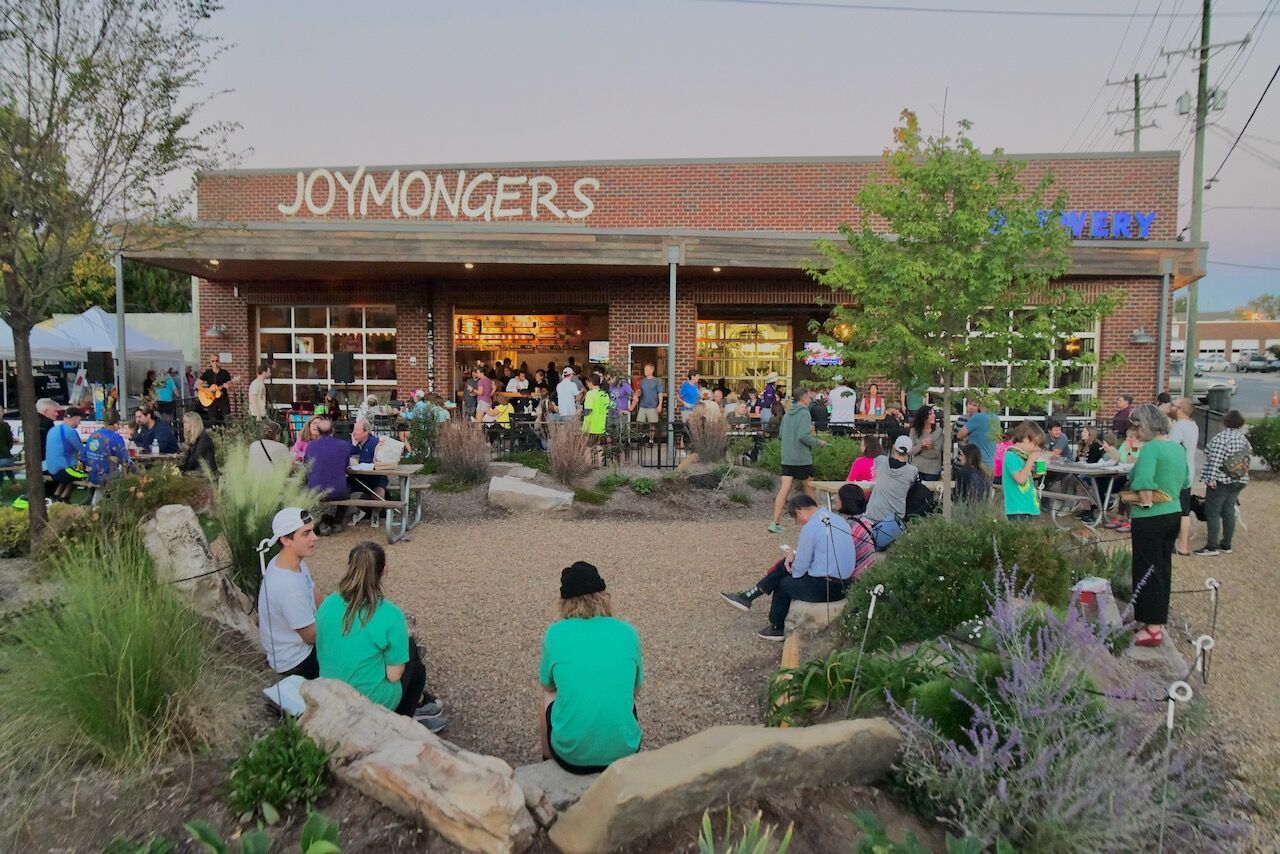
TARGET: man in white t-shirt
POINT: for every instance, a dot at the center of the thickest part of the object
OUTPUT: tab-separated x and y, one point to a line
519	384
258	392
566	396
288	598
1184	430
268	452
843	404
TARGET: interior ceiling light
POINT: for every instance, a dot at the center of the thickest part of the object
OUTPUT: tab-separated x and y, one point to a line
213	262
469	265
715	269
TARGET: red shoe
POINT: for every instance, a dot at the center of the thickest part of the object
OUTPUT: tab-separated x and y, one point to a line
1146	637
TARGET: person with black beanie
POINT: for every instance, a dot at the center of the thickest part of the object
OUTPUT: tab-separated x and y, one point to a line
591	673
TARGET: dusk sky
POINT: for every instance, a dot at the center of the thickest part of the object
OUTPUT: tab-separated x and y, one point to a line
323	83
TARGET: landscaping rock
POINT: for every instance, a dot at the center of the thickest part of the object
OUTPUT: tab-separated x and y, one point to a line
561	788
641	794
470	799
516	494
513	470
812	618
1163	662
182	558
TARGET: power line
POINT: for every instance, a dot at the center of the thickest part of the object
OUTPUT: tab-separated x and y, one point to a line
1244	266
1114	60
1253	113
1096	136
936	10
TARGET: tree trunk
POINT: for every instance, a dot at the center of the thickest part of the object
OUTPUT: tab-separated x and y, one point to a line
946	447
33	453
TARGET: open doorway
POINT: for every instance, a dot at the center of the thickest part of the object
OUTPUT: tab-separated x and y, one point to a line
639	354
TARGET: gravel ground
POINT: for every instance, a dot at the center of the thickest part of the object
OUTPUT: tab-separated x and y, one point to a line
484	591
1245	667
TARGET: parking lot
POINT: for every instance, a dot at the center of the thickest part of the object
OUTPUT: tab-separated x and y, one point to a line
1253	393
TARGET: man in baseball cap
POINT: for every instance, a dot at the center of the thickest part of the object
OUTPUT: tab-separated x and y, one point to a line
62	454
893	478
287	597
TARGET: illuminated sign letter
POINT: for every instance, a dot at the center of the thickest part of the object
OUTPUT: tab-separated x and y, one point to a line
1144	223
1074	220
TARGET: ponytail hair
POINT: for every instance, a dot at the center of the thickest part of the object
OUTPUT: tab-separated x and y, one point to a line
361	587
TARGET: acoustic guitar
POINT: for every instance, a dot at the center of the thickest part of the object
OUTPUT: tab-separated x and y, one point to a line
209	394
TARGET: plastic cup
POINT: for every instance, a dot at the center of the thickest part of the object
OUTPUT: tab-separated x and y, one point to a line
1041	466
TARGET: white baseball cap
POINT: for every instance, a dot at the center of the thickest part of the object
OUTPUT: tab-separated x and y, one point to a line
567	372
902	444
287	521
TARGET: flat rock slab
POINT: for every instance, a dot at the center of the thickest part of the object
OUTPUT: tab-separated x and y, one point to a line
470	799
561	788
811	618
1163	662
513	470
643	794
514	493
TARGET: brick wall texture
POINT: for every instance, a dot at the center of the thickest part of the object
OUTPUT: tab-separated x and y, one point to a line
733	196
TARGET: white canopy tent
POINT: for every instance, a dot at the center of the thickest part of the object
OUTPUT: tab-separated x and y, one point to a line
47	345
95	330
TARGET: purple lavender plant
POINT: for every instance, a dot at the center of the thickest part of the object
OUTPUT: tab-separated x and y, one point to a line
1050	765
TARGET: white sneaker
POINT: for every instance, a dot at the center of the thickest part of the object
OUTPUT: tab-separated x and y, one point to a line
355	518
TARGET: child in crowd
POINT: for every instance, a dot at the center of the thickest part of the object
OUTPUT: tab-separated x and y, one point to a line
864	467
972	484
1021	497
363	639
591	673
1126	454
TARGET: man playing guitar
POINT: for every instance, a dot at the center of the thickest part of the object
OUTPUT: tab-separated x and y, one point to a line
211	391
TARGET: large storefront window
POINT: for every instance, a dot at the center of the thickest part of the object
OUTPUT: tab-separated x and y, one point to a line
303	340
745	353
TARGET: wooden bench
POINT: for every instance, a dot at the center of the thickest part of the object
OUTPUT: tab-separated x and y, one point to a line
371	504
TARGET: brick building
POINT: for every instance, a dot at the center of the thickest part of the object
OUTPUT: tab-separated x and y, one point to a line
418	271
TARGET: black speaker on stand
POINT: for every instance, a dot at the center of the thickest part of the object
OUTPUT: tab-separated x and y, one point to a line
343	370
100	367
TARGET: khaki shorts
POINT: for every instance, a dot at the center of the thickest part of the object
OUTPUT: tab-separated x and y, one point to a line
647	415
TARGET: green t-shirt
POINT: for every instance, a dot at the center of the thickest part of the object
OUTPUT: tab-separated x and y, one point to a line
597	405
361	657
594	665
1020	499
1162	464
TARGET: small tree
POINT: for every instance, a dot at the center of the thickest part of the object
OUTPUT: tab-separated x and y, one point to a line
1265	307
95	130
949	280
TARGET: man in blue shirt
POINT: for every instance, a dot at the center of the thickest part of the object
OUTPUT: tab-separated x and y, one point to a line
106	451
166	392
153	431
690	394
819	570
980	430
62	452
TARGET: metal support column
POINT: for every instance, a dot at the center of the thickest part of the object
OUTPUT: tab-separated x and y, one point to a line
673	261
1162	338
122	387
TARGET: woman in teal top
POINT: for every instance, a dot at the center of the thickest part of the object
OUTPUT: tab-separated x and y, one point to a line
591	674
363	639
1161	466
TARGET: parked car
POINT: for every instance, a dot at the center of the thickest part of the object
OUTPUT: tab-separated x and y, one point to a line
1256	364
1212	362
1201	385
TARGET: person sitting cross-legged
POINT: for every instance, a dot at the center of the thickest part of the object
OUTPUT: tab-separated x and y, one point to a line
819	570
591	673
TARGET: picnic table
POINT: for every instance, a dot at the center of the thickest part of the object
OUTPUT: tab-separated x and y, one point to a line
831	487
397	510
149	458
1087	476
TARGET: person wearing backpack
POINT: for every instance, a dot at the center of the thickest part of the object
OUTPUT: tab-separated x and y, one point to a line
1225	474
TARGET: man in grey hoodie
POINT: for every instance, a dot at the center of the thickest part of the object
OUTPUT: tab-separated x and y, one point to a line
798	441
893	479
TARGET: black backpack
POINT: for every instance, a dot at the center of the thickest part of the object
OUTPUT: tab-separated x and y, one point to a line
921	500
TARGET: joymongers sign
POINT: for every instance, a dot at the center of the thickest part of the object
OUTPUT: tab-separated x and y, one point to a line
416	194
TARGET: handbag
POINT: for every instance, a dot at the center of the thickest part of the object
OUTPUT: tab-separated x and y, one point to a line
1158	496
1197	506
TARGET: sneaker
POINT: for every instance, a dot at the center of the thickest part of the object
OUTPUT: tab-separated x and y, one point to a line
775	528
1224	550
375	521
741	601
1205	552
433	708
433	723
1124	527
355	518
770	633
1113	523
1089	518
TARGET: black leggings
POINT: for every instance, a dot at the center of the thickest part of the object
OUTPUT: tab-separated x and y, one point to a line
413	682
1153	540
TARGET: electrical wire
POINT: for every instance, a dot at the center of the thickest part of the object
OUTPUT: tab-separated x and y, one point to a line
1103	86
1252	113
1244	266
943	10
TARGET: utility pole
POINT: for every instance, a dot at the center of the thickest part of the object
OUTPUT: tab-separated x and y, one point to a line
1192	350
1137	110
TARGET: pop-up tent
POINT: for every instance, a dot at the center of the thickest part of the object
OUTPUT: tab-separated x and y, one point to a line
95	330
47	345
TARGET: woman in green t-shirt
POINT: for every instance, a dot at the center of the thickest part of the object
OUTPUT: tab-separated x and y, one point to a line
591	674
1161	467
363	639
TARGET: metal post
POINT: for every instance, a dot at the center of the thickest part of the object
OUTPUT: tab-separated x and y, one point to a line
1137	112
122	387
1162	338
1197	204
673	261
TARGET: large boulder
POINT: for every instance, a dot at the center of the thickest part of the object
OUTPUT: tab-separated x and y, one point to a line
470	799
561	788
812	618
514	493
513	470
177	546
642	794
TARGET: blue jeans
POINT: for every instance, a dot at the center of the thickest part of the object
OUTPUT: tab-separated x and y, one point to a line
1220	513
7	461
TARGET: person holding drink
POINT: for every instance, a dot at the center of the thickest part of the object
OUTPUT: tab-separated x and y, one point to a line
1023	461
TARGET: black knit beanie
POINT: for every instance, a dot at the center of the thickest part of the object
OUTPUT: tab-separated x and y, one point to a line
579	580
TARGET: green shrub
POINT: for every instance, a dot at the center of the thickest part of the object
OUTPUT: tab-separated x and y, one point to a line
643	485
319	836
132	497
588	495
121	672
740	497
1265	439
1117	567
756	837
761	480
13	532
536	460
612	482
234	433
462	451
829	463
936	575
248	497
422	438
446	484
283	770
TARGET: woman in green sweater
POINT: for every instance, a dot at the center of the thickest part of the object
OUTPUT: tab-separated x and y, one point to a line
1161	467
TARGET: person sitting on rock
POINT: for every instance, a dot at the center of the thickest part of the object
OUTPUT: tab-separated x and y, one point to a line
287	597
363	639
818	570
591	673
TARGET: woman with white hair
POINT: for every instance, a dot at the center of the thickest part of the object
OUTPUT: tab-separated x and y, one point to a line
1158	477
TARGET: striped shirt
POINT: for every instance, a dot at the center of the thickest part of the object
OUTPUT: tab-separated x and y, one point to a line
1220	447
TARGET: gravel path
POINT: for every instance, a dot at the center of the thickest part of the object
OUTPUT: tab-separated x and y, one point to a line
484	591
1245	669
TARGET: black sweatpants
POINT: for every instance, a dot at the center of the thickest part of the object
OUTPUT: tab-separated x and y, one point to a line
784	587
1154	538
413	683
